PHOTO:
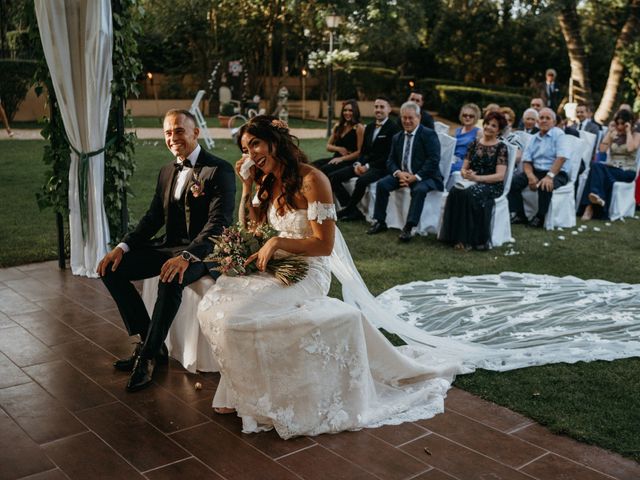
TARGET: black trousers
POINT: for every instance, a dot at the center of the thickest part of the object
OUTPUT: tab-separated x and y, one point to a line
520	182
138	265
345	174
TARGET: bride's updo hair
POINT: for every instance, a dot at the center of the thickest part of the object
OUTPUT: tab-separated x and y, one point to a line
284	148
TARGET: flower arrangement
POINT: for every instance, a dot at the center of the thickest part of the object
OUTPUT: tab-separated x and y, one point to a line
336	58
237	243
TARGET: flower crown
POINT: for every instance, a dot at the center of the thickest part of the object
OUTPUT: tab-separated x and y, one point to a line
280	125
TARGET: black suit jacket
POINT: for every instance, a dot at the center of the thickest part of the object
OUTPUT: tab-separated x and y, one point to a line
425	155
552	101
375	152
205	215
591	126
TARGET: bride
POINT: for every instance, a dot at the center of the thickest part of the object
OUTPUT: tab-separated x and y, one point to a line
292	358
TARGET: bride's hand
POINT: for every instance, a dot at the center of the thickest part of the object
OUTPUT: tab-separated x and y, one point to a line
250	173
262	256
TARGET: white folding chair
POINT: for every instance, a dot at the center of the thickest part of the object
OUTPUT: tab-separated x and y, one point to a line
441	127
202	124
525	138
590	139
623	196
500	219
562	209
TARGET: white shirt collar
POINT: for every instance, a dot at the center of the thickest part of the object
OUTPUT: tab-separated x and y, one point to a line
193	156
413	132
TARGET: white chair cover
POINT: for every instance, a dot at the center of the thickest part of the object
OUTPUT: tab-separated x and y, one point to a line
623	196
185	341
441	127
77	42
500	219
591	139
562	210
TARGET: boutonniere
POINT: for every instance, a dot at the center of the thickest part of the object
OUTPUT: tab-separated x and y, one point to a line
196	187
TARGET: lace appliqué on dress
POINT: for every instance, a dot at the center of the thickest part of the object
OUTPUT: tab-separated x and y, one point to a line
320	212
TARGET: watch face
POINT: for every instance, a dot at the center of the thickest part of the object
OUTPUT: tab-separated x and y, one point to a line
186	256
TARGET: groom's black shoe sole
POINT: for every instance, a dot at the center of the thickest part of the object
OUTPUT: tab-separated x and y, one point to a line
126	364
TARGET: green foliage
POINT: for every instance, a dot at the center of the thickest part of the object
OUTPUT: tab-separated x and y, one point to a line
15	80
453	97
227	109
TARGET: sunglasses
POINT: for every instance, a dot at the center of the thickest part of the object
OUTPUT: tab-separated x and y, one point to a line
468	115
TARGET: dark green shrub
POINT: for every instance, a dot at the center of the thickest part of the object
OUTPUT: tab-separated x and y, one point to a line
16	76
453	97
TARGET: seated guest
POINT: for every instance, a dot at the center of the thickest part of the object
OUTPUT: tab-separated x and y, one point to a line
345	141
622	143
467	213
372	164
537	104
417	97
585	119
467	133
491	107
563	124
530	121
508	134
414	162
545	169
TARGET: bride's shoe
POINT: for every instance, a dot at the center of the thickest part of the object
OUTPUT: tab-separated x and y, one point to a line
224	410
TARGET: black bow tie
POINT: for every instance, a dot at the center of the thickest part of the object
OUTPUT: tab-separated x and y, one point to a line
180	165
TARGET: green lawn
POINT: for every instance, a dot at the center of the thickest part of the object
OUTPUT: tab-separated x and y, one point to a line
597	402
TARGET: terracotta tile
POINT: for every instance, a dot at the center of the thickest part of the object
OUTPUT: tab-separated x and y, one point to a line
594	457
182	383
112	315
11	274
110	338
434	474
70	387
398	434
5	321
91	360
459	461
481	438
23	348
318	463
46	328
42	417
132	436
228	455
189	468
34	289
489	413
553	466
267	442
55	474
19	455
85	456
88	297
69	312
12	303
159	407
31	267
372	454
10	374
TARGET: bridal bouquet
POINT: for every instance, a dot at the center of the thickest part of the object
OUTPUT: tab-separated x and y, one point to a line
237	243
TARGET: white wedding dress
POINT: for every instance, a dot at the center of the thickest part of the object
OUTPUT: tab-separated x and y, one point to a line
294	359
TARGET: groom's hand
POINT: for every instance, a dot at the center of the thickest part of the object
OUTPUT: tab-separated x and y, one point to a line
114	257
172	267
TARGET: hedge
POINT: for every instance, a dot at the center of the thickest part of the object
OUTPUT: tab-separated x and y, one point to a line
16	76
453	97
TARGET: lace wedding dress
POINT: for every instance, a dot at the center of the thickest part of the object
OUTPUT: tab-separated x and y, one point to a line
294	359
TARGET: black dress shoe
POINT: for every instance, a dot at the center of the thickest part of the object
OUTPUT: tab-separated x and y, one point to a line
405	234
352	216
126	364
377	227
536	222
517	220
141	376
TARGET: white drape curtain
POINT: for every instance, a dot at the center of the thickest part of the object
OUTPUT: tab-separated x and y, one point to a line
77	40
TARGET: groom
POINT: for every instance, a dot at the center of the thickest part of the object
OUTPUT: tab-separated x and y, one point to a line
194	199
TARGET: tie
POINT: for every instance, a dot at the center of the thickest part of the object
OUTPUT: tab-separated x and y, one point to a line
378	124
182	164
407	151
580	126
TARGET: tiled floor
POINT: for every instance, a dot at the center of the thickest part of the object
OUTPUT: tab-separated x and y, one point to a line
64	413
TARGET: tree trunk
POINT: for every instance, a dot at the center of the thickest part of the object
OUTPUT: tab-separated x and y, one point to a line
616	70
570	26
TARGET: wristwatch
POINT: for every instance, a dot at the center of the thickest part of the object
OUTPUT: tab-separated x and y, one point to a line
551	174
187	256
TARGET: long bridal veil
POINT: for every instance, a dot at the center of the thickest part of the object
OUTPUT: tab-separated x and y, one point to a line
502	322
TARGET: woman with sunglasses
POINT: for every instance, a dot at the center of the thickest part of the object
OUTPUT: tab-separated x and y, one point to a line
622	143
467	133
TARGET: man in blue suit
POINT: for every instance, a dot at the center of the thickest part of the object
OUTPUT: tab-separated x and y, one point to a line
414	162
